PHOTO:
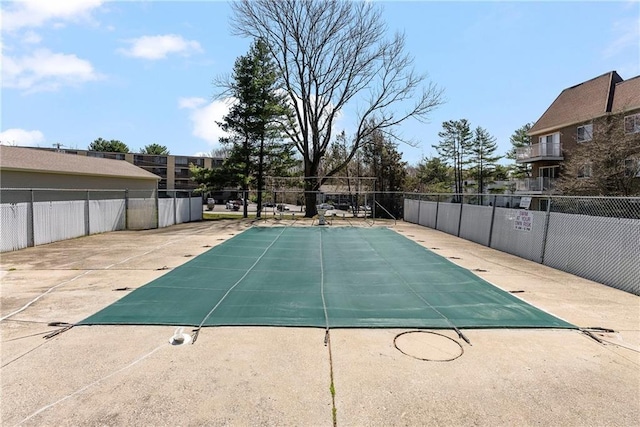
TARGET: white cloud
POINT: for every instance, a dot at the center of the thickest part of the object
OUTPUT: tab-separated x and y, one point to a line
31	37
158	47
21	137
190	103
204	116
45	70
35	13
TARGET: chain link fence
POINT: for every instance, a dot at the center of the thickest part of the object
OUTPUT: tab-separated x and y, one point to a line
597	238
30	217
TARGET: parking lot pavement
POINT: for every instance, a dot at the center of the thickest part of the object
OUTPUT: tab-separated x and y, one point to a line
252	207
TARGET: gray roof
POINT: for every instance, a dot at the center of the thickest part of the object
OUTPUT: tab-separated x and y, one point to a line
43	161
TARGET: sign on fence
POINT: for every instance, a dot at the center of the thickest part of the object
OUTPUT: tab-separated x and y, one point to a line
523	221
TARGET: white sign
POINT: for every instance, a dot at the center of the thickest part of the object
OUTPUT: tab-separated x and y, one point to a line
525	202
523	221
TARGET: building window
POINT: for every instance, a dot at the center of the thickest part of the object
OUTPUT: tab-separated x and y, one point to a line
182	173
584	171
632	123
549	146
149	160
553	138
196	161
585	133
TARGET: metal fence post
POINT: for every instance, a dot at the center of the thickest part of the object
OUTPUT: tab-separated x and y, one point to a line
419	203
190	214
87	212
493	217
546	230
460	216
157	214
126	209
31	238
175	208
435	227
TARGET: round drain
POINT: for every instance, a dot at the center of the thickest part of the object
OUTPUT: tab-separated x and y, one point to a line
429	346
180	338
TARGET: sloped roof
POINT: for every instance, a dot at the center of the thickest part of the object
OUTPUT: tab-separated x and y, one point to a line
42	161
626	95
579	103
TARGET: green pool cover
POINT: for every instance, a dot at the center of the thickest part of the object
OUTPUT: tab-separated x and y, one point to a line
338	277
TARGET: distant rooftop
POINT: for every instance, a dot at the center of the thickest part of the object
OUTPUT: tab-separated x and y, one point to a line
43	161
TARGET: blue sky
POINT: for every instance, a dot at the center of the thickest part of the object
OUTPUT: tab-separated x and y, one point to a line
142	71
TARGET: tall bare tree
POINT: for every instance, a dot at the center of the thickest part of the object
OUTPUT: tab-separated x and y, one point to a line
332	54
606	165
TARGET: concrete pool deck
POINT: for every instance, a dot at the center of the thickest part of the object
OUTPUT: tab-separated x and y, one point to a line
131	375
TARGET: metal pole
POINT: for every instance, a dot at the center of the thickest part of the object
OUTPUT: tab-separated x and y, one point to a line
546	230
126	209
460	216
175	208
435	226
493	217
31	238
87	212
157	213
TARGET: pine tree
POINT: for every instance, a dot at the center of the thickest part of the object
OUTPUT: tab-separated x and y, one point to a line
155	149
482	158
255	123
520	138
454	147
112	146
434	176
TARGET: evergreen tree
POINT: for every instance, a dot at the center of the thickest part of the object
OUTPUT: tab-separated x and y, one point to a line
482	158
113	146
454	148
155	149
520	138
434	176
255	124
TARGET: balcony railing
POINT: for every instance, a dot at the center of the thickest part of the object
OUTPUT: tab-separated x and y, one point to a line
539	152
535	184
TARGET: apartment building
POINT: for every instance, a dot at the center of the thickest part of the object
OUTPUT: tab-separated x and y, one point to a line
173	170
571	120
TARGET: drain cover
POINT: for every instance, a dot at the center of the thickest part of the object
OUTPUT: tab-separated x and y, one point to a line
180	338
